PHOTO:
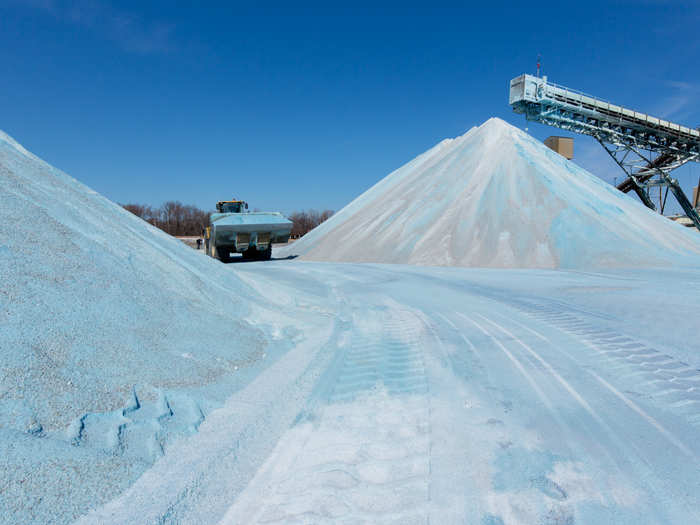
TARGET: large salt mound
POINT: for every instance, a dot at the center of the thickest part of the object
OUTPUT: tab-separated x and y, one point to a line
102	316
496	197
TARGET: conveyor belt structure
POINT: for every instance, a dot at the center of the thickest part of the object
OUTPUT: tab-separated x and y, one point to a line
647	148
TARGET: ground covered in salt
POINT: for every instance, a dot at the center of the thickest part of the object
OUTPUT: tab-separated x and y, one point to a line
451	396
142	382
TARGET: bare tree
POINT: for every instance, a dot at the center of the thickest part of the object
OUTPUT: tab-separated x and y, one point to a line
173	217
305	221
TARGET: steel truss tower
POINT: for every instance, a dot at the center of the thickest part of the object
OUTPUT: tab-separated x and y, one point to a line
646	148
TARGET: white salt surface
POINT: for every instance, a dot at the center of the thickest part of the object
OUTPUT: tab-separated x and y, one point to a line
114	338
449	395
496	197
141	382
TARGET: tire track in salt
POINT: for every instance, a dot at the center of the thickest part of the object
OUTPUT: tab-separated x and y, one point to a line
524	365
582	401
576	433
672	384
362	450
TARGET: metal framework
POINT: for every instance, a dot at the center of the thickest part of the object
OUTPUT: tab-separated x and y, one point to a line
646	148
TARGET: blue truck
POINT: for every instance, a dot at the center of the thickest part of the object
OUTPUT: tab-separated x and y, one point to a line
233	229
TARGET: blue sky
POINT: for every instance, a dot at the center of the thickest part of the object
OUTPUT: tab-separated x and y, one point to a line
306	107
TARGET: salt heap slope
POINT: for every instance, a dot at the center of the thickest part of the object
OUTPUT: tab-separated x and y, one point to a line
113	336
496	197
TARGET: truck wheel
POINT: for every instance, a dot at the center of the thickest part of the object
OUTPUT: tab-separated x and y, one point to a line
266	254
223	254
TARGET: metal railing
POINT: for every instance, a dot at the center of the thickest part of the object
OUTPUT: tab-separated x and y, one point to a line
621	112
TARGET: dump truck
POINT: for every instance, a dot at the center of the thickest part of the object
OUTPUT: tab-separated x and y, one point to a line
233	229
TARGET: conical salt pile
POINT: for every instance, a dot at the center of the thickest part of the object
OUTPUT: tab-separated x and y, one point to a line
113	337
496	197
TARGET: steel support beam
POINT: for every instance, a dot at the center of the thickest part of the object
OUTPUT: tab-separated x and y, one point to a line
636	182
644	172
677	191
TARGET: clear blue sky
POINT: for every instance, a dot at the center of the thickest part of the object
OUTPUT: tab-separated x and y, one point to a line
306	107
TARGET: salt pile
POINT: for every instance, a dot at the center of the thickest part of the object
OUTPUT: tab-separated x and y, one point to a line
114	337
496	197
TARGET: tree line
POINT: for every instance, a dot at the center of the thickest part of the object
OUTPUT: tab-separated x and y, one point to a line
172	217
179	219
304	221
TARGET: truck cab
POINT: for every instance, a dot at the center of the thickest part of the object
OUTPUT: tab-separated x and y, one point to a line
231	206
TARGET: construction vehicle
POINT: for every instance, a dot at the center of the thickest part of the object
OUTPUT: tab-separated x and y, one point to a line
233	229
